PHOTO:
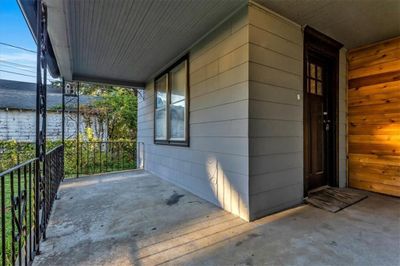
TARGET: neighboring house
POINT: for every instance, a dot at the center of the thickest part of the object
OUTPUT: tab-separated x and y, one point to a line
17	113
240	105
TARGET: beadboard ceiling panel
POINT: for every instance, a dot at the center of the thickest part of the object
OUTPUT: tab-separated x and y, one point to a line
351	22
125	41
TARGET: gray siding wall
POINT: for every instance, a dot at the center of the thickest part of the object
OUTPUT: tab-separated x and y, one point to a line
215	166
276	114
246	118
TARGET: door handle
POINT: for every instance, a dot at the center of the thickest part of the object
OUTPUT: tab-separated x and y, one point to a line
327	124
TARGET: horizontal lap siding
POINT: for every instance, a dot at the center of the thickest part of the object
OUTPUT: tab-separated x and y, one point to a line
215	166
374	117
276	114
21	126
246	121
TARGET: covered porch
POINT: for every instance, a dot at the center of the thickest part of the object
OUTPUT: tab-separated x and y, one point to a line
136	218
243	72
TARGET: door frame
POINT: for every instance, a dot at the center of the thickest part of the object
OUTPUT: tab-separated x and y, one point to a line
318	44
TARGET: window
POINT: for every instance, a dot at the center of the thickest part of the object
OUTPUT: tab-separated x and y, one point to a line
314	79
171	105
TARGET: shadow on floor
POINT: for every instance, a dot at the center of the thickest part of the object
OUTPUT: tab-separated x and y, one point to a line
135	218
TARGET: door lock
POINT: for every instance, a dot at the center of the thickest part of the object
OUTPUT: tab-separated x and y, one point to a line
327	122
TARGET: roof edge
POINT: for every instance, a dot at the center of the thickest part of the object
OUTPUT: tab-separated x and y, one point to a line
29	12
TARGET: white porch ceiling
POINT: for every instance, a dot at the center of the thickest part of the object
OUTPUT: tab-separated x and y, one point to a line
127	41
351	22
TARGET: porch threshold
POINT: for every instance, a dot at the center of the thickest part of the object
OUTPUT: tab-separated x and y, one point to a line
136	218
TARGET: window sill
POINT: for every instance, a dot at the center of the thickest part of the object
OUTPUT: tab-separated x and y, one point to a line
172	143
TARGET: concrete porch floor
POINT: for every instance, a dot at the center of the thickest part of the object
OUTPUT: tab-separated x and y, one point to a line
135	218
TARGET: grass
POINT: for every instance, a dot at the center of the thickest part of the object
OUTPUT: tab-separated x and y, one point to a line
8	195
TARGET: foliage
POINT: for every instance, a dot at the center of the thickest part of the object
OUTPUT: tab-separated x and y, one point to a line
100	157
89	134
13	153
119	109
95	157
117	106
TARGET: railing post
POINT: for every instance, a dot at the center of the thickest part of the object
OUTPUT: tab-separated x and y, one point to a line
63	113
44	111
63	119
3	220
41	90
38	93
77	133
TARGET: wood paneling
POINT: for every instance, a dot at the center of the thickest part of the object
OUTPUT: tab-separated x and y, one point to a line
374	79
374	117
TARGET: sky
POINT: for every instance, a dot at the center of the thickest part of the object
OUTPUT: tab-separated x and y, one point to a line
15	31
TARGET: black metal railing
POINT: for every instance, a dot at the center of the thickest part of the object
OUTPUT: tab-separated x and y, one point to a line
105	156
13	153
90	157
17	212
54	174
22	202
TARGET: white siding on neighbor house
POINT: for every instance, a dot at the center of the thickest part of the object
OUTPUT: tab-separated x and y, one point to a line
215	166
21	126
17	125
276	113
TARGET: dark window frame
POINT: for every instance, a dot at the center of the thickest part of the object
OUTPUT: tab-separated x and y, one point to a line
316	80
168	141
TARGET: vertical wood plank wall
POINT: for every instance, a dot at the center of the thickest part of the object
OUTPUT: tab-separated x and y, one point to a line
374	117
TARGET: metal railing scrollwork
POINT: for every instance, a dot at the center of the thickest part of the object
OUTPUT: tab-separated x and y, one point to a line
20	206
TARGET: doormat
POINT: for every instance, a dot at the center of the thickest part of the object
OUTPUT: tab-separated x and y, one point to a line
334	199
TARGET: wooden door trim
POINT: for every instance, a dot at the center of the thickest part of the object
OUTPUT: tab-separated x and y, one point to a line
319	44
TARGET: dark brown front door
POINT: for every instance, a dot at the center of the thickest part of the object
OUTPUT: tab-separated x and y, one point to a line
321	64
317	117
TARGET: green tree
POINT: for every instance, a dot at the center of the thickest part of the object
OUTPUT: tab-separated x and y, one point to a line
95	89
118	107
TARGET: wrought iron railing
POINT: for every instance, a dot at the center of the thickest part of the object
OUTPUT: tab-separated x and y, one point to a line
54	174
25	207
96	157
18	212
